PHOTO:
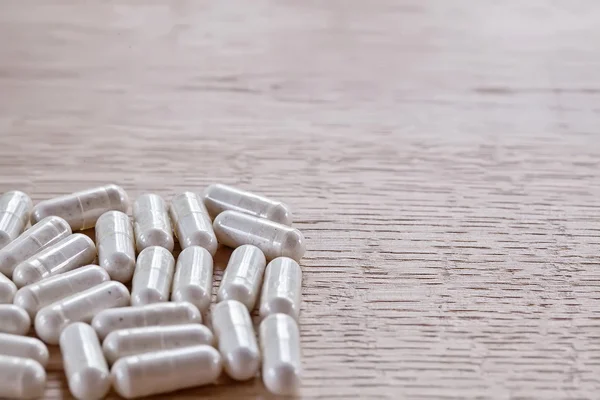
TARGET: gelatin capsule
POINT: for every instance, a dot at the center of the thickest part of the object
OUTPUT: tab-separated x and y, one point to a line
129	342
24	346
82	209
44	234
192	223
15	207
165	371
80	307
153	276
280	347
281	288
234	229
47	291
7	290
151	315
151	223
237	342
243	277
84	363
116	250
193	277
68	254
21	378
219	198
14	320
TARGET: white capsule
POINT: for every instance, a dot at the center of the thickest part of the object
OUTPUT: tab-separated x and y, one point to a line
192	223
243	277
153	276
234	229
44	234
237	342
21	378
24	346
193	277
80	307
281	288
219	198
15	207
151	315
14	320
129	342
280	347
116	250
7	289
47	291
151	223
165	371
82	209
68	254
84	363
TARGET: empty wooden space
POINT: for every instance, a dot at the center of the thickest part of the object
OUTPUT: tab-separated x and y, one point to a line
442	159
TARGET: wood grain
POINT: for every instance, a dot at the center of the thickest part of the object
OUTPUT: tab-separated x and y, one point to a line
442	159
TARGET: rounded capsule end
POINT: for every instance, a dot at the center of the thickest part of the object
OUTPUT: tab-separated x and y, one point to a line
24	299
110	347
60	224
4	239
42	355
242	363
89	383
26	274
280	213
33	380
155	237
278	305
120	378
49	325
147	296
281	379
7	263
203	239
120	266
38	213
192	294
119	200
294	245
7	291
235	291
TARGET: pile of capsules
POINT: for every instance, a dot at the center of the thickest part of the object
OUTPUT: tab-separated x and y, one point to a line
152	337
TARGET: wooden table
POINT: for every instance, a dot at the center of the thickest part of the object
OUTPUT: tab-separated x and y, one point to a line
442	159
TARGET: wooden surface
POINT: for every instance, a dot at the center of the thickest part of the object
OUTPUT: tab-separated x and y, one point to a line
442	159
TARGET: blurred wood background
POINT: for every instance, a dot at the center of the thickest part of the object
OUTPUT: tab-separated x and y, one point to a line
442	159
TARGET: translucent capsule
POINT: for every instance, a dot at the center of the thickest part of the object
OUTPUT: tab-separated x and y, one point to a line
280	347
165	371
128	342
24	346
84	363
150	315
116	250
219	198
7	289
192	223
151	223
193	277
15	207
237	342
82	209
153	276
47	291
66	255
243	277
234	229
44	234
21	378
14	320
81	307
281	288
